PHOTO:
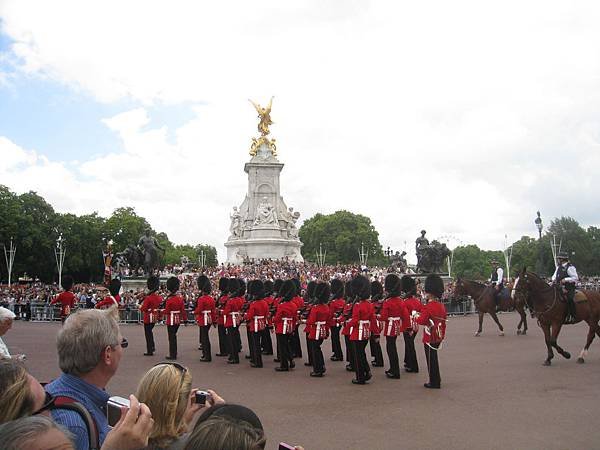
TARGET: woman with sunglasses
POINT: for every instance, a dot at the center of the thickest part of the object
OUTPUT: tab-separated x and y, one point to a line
167	390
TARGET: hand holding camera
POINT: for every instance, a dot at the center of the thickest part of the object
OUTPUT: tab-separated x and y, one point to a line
131	421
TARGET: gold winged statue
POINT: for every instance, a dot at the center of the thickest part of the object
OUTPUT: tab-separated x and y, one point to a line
264	114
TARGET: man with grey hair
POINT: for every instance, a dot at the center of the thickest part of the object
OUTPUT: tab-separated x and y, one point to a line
6	322
37	432
90	347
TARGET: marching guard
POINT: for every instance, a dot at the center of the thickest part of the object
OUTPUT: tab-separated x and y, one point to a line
174	314
318	328
266	344
206	315
151	310
284	322
347	325
114	299
395	320
309	301
66	298
433	317
413	307
221	302
256	320
233	319
376	303
362	317
336	308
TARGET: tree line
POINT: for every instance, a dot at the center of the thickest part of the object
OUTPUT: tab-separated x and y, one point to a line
34	227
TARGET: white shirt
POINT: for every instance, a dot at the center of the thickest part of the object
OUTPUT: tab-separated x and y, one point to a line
571	277
4	353
500	273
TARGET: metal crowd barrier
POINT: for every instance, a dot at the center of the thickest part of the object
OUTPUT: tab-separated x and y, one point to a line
460	308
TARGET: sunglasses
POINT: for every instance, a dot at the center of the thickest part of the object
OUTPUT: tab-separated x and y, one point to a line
178	366
124	343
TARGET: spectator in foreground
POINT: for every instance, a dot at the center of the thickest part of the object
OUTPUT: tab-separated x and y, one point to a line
6	321
90	347
36	432
20	393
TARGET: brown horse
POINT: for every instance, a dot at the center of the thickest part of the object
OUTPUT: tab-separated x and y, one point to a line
483	296
550	307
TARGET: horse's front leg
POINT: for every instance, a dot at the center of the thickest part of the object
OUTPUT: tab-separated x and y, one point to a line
546	330
495	317
480	323
556	326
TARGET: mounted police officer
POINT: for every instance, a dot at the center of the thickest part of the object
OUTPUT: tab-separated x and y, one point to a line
497	280
566	275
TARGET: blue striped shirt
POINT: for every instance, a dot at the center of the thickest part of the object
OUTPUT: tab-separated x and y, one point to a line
91	397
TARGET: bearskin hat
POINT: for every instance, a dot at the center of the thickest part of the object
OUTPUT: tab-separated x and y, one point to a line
204	284
153	283
256	289
242	287
310	290
349	292
434	285
322	292
288	290
223	284
337	288
393	285
361	287
376	290
173	284
114	287
409	287
67	282
233	284
277	286
268	288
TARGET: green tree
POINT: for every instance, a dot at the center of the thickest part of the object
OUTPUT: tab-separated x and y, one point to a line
469	261
574	240
125	227
341	235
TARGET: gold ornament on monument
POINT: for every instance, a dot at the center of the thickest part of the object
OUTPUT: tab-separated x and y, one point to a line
264	114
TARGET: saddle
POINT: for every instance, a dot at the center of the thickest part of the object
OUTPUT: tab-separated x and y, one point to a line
579	297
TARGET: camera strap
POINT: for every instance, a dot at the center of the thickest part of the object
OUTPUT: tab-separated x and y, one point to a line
63	402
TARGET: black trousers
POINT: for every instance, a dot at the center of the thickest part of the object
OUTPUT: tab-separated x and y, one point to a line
205	342
296	347
172	332
433	366
254	344
317	355
266	344
308	350
361	366
223	341
410	354
376	352
233	334
150	347
283	348
336	345
349	350
392	352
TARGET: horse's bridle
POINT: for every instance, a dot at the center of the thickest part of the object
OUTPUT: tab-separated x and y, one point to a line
538	314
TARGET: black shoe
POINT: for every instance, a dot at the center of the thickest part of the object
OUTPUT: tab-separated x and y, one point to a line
276	360
200	347
316	374
355	381
431	386
171	358
267	353
205	360
292	364
376	365
247	356
233	362
391	375
255	365
281	369
409	370
148	354
368	376
222	354
335	358
308	364
349	368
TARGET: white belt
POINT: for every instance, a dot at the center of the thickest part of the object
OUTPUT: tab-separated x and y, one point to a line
234	317
256	321
362	324
320	326
207	318
391	321
285	323
151	315
173	315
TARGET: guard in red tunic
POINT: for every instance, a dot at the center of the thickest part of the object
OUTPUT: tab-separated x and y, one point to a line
433	317
66	298
318	327
151	309
256	320
221	302
233	318
363	316
284	323
114	299
336	309
266	344
377	303
206	315
276	300
395	320
413	307
347	325
174	314
295	336
309	302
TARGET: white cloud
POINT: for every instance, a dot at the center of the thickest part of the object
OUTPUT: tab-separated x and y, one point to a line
460	117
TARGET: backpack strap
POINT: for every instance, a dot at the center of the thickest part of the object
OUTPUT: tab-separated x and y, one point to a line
68	403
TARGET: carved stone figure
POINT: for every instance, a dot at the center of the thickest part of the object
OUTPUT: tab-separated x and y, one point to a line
148	245
433	257
265	213
420	244
399	262
236	223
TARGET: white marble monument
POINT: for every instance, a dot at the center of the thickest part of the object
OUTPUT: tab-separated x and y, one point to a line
263	226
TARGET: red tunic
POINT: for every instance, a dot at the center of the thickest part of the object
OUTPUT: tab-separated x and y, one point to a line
285	318
108	302
433	316
317	324
412	305
220	306
257	315
174	312
206	311
150	308
232	312
347	329
336	309
394	316
67	301
363	315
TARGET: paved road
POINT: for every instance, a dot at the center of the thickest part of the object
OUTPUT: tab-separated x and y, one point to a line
495	393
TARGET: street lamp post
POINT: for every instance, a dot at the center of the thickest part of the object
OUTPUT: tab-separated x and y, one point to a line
321	256
9	255
59	254
202	258
540	226
507	256
362	255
